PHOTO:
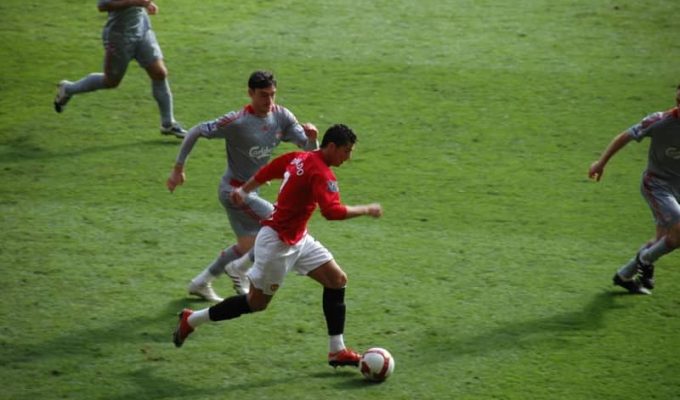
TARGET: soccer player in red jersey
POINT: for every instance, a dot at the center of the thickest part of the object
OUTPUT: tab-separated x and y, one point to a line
283	244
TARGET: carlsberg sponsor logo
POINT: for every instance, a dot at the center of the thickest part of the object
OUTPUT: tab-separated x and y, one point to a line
673	152
258	152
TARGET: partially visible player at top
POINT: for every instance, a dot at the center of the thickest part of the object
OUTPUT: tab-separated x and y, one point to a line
284	244
660	187
127	35
251	135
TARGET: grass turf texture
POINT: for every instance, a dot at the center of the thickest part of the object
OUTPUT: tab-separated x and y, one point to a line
489	275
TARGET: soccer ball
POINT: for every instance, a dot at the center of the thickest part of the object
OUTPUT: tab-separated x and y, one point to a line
376	364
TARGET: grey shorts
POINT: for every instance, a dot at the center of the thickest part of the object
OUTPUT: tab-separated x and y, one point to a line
246	220
121	49
662	200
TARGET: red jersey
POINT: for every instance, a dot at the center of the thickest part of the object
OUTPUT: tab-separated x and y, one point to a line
307	181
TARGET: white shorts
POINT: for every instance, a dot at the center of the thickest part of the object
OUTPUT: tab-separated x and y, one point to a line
274	259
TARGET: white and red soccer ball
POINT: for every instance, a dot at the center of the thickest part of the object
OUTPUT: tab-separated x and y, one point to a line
376	364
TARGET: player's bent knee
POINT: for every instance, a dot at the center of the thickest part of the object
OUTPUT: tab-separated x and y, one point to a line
244	244
111	83
257	306
158	76
673	236
257	303
157	71
339	282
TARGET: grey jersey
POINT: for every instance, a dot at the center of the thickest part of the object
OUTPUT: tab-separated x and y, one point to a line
249	139
663	128
131	22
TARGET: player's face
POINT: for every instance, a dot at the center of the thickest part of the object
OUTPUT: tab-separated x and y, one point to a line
262	100
341	154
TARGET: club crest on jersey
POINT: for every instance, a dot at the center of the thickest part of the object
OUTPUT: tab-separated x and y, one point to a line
332	186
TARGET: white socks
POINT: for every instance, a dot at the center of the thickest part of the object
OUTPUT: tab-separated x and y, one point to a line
199	317
336	343
204	277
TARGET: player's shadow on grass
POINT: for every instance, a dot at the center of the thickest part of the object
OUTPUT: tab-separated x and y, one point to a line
557	329
87	346
346	375
91	342
22	149
145	383
141	373
351	378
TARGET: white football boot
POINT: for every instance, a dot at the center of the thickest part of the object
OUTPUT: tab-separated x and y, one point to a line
204	290
62	98
240	279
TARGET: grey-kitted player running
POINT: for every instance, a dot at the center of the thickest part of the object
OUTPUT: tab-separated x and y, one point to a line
660	187
250	136
127	35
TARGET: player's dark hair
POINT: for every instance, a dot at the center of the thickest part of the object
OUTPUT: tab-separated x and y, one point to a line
261	80
339	134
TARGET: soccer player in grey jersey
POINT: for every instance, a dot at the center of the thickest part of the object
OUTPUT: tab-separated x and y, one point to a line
660	187
127	35
250	136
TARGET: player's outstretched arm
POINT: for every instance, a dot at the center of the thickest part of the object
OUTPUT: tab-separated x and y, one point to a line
372	210
240	195
177	175
312	134
176	178
597	168
274	170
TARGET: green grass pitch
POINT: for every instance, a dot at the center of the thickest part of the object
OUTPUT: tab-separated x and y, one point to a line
487	278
